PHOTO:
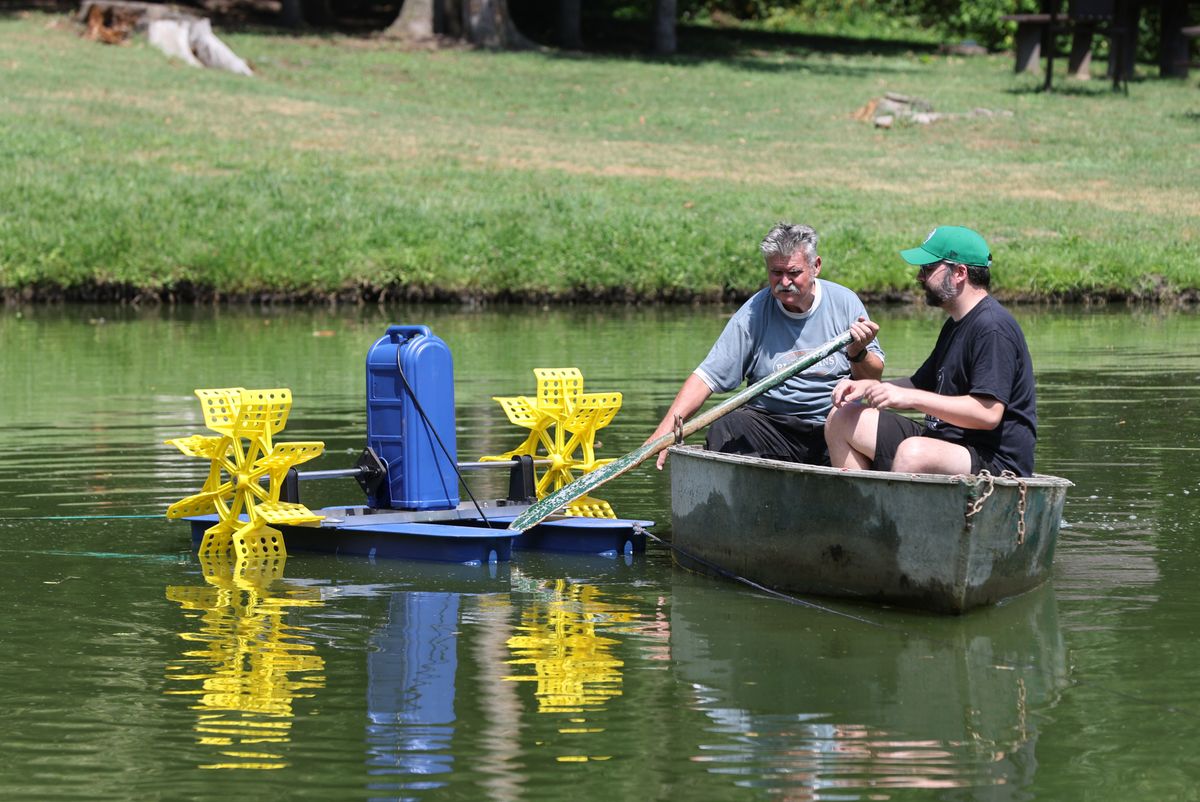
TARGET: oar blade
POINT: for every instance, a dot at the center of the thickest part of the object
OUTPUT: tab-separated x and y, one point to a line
560	498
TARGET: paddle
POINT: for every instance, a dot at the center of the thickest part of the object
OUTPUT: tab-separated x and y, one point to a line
560	498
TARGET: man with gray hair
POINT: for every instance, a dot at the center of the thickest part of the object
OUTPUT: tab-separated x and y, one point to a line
794	315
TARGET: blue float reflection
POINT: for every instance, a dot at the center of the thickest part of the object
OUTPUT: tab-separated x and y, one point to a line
411	675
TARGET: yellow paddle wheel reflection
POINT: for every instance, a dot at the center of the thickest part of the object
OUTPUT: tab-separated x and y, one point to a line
249	663
560	642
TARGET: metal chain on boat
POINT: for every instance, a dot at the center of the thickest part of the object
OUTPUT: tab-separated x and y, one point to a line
1020	506
985	477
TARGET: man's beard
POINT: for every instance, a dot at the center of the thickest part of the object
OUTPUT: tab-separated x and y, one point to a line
939	294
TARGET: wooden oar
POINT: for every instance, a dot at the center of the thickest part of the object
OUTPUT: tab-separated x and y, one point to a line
590	481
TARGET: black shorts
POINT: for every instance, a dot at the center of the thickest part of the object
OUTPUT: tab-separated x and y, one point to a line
894	429
758	433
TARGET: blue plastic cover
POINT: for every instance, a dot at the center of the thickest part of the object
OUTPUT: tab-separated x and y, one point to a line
420	472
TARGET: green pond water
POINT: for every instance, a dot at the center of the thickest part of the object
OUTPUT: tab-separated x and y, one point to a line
128	672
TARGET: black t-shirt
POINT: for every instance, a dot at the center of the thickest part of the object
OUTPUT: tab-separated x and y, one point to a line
985	354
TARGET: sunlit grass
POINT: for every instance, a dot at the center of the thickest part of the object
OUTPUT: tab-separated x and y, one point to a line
350	166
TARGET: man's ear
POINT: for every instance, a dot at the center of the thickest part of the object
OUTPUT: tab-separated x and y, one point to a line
817	267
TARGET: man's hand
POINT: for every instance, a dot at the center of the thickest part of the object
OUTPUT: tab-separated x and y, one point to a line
663	428
885	395
862	331
847	391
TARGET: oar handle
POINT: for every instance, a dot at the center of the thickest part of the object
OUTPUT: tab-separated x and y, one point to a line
543	509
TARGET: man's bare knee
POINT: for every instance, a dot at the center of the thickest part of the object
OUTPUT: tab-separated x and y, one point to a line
928	455
843	420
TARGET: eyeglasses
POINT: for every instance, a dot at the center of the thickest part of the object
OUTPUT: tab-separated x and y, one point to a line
925	271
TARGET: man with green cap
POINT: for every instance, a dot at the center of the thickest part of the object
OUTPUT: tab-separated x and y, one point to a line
975	389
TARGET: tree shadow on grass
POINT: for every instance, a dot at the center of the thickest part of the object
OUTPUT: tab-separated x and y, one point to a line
15	8
1098	88
703	42
750	50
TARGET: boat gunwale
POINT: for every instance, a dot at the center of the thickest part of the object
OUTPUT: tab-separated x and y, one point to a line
959	479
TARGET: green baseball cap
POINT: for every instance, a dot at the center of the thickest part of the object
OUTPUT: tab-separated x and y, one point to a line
952	243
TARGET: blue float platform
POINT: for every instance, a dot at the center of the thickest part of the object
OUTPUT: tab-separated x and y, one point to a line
458	536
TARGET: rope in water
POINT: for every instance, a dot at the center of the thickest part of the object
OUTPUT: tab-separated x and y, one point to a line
76	517
762	588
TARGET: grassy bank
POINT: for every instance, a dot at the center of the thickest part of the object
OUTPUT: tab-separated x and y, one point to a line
347	167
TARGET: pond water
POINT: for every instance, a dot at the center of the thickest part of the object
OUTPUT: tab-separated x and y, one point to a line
129	672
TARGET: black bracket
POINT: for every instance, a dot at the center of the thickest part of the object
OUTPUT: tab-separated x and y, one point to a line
289	491
371	471
521	486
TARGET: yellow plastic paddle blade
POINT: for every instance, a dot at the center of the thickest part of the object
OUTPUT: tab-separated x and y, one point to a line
199	445
520	411
218	539
590	507
558	389
262	413
220	407
285	456
258	542
286	514
203	503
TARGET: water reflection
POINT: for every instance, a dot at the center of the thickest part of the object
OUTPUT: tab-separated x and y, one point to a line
251	663
411	675
559	639
921	703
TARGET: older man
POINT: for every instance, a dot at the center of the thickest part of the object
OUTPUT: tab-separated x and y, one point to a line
976	389
795	314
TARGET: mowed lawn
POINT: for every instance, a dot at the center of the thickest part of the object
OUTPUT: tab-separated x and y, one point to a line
350	165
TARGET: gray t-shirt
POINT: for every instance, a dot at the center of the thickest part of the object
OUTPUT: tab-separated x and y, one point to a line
763	337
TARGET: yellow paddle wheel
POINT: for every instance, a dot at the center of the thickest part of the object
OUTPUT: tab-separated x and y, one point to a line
562	421
240	457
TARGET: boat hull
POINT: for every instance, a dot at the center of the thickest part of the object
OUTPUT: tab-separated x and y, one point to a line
904	539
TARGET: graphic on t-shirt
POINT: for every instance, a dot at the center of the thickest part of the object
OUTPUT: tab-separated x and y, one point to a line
826	367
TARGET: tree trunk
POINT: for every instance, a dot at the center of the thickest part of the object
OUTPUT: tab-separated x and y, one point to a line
316	12
488	24
291	15
569	25
1174	48
415	22
664	27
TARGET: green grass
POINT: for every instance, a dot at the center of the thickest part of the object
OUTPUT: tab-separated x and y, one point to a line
348	166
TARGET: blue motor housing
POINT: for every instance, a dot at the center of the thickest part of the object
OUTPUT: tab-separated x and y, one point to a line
420	473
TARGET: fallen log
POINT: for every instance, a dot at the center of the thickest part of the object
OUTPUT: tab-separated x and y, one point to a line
171	29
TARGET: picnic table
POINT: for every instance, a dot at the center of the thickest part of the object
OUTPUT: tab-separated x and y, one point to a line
1115	19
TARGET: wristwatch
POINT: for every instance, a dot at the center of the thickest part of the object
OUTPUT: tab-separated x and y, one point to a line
861	356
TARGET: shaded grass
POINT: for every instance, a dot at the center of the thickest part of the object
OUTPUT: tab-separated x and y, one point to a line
350	167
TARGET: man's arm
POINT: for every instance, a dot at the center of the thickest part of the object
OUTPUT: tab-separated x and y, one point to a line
691	396
965	411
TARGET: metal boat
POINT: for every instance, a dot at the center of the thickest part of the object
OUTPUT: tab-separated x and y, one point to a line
945	544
